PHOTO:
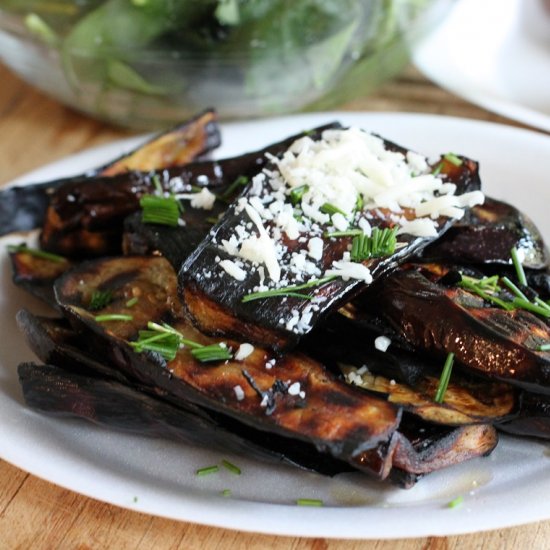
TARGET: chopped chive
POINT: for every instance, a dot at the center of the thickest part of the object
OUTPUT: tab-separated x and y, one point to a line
113	317
514	289
309	502
226	493
445	377
297	193
241	181
328	208
100	299
231	467
135	499
453	159
165	344
477	289
544	347
36	252
157	184
160	210
288	290
359	203
437	170
37	26
215	352
456	502
132	301
349	233
208	470
525	304
380	243
518	267
213	220
542	303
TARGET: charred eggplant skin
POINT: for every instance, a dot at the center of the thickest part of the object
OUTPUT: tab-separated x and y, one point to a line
215	301
486	341
487	234
23	208
85	217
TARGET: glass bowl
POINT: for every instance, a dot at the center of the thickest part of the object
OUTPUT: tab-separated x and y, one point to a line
149	63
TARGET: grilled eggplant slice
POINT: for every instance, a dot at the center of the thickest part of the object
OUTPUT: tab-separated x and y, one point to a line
330	415
217	301
23	208
37	274
85	216
487	341
487	234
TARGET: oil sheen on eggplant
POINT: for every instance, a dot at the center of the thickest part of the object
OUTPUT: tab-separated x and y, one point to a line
85	217
487	341
336	419
23	208
486	235
215	302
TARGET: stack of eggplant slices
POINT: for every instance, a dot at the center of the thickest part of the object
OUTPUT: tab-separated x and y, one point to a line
332	301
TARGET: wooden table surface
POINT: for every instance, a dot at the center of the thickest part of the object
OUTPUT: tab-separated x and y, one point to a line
35	130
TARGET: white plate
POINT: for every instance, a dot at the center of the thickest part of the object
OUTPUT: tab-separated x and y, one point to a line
157	476
495	53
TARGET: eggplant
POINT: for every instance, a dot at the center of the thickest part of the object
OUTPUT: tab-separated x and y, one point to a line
216	301
486	235
85	216
23	208
487	341
533	418
37	274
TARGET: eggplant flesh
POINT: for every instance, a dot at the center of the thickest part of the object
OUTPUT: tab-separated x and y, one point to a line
487	341
363	422
23	208
214	299
486	235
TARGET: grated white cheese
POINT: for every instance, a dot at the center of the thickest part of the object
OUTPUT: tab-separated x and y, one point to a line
203	199
294	389
315	248
350	270
239	392
243	351
382	343
231	268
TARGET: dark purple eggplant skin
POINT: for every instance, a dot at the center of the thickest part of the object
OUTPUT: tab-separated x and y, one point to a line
486	235
215	302
58	392
486	341
85	217
533	419
23	208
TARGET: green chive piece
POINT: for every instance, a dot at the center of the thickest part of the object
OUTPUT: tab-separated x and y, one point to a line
349	233
36	252
525	304
542	303
359	203
297	193
132	301
467	284
135	499
241	181
544	347
226	493
231	467
113	317
330	209
518	267
381	243
160	210
208	470
215	352
100	299
437	170
515	290
309	502
445	377
456	502
157	184
37	26
453	159
165	344
288	290
213	220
